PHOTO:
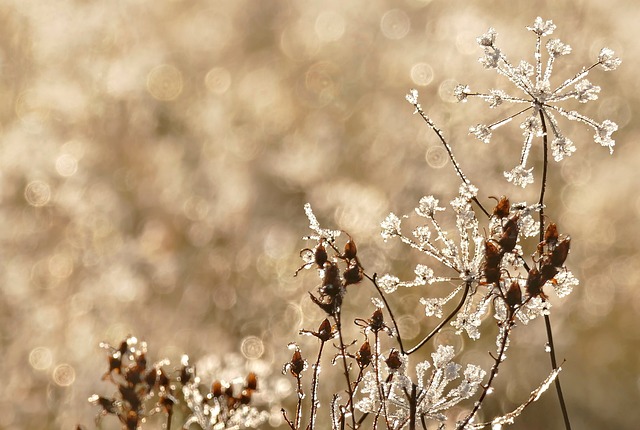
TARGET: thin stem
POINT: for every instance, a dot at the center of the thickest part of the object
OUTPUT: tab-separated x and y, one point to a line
314	389
447	147
547	320
386	304
443	322
343	353
492	375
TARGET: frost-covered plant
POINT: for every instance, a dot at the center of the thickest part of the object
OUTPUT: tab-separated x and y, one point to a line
483	269
144	390
539	99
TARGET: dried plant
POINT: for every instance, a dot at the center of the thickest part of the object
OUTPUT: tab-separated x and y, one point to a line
496	268
486	269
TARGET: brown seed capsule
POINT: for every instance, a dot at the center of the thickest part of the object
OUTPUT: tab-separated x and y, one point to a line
534	284
363	356
492	254
331	274
376	323
350	250
394	361
502	208
509	236
551	234
216	388
297	364
352	275
252	381
325	331
514	296
560	252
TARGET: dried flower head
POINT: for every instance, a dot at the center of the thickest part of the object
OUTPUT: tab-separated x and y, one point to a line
540	101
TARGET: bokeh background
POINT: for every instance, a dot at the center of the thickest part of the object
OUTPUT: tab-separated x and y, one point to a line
155	157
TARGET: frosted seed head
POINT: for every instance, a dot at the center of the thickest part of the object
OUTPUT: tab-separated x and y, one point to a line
608	60
488	38
428	206
412	97
586	91
604	132
532	126
562	147
542	28
491	58
496	98
461	93
520	176
390	226
482	133
556	48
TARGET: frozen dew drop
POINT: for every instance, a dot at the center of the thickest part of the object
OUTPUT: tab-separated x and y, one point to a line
489	390
547	347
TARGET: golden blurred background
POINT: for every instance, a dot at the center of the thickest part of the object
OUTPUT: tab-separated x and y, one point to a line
155	157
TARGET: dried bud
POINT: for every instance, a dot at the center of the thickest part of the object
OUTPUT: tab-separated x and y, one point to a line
216	388
534	284
509	235
320	255
376	323
297	364
350	250
560	252
502	208
514	296
394	361
252	381
352	275
363	356
492	254
325	331
331	274
551	234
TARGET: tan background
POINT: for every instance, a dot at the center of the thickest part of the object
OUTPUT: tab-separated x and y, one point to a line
155	157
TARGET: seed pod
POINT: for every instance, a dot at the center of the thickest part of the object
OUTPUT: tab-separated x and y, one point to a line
216	388
325	331
502	208
551	234
352	275
394	361
534	284
509	236
363	356
350	250
320	255
514	296
252	381
297	364
492	254
376	323
560	252
331	274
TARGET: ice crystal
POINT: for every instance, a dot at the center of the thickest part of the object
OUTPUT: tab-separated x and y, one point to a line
541	102
315	226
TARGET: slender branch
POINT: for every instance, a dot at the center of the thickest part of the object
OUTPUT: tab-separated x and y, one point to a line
447	147
492	375
314	389
547	320
343	353
374	281
443	322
